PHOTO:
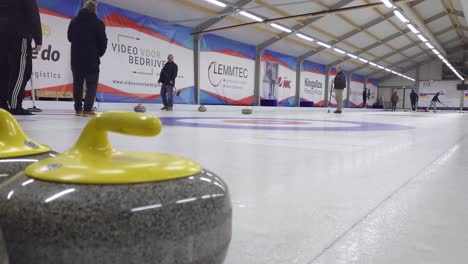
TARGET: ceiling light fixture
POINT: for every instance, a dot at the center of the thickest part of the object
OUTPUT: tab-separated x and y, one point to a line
323	44
216	2
281	28
254	17
305	37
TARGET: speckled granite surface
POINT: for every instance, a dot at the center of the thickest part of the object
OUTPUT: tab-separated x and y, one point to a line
10	167
173	222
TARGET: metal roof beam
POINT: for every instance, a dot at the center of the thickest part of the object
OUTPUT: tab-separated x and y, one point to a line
443	31
435	17
416	19
375	45
451	50
388	55
226	12
388	76
350	34
300	27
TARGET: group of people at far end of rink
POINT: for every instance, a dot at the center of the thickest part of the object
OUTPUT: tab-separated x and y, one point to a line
20	24
414	97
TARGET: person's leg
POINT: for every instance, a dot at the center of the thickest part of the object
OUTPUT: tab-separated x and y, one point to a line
78	81
20	61
170	96
163	96
92	80
434	106
4	71
339	99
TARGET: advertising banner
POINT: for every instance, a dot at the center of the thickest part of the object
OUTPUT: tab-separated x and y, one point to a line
278	78
356	91
51	75
137	50
332	74
372	86
313	83
227	71
449	95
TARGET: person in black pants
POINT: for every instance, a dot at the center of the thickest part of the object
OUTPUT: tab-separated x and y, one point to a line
167	78
414	97
20	23
87	34
364	98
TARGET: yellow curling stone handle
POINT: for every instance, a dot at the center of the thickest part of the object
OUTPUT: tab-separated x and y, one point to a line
13	141
93	160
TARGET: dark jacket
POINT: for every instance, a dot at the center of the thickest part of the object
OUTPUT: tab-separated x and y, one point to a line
88	38
364	95
21	18
395	98
435	98
414	97
340	81
168	73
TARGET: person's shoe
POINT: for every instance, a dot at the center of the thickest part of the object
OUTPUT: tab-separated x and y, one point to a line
169	109
88	113
337	112
79	113
20	111
164	108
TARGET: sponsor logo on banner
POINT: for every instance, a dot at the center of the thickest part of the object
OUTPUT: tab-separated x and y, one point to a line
284	82
140	59
232	77
312	87
51	65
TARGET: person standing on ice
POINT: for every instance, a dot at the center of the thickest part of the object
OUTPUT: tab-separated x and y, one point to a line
414	99
434	101
87	35
340	85
167	78
20	24
364	98
395	100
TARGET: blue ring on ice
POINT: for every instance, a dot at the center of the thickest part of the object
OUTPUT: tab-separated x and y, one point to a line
359	126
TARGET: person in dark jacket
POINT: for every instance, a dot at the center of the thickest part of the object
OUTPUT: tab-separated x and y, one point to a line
340	85
364	98
167	78
414	97
20	23
433	103
87	34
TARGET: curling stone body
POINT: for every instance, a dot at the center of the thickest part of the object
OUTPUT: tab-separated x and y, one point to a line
140	108
247	111
181	221
94	204
202	108
17	150
11	166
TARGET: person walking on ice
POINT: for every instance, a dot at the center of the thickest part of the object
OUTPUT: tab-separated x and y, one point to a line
434	101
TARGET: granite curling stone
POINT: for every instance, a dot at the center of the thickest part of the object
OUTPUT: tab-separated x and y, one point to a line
94	204
202	108
17	150
247	111
140	108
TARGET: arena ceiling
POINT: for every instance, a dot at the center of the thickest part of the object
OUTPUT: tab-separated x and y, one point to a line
367	29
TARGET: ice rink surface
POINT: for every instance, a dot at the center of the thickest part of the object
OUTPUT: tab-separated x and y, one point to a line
309	187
